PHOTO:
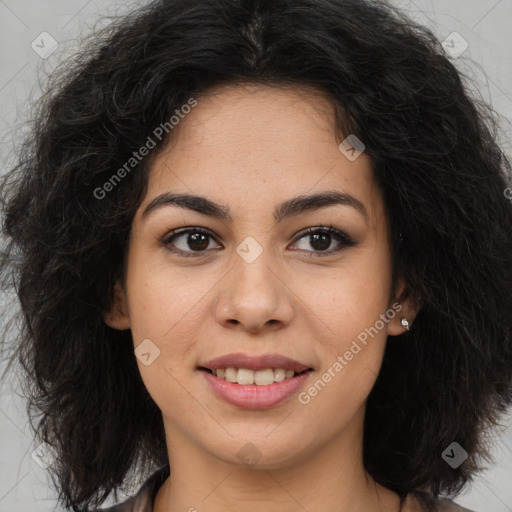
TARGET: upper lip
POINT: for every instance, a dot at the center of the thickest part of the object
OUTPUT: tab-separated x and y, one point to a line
261	362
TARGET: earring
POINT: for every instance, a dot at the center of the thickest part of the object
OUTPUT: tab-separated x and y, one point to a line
404	323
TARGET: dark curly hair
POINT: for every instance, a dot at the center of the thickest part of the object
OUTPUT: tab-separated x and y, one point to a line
435	155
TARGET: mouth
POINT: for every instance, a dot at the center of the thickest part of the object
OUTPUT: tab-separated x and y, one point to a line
248	389
252	381
247	376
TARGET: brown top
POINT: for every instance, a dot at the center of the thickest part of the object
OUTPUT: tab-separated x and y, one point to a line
143	500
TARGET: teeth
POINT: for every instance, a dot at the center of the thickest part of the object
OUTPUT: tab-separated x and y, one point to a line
231	374
262	377
245	376
280	375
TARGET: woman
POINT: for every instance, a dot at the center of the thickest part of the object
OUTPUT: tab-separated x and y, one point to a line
263	255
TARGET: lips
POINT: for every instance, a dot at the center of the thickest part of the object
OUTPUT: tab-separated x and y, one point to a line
253	396
262	362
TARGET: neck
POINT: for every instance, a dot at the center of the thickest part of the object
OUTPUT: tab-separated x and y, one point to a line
329	478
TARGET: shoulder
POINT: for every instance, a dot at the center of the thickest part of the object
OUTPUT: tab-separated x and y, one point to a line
143	500
138	503
421	502
445	505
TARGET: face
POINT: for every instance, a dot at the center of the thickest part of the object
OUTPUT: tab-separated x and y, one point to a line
254	281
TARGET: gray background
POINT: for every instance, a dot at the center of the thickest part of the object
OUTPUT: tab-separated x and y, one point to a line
484	24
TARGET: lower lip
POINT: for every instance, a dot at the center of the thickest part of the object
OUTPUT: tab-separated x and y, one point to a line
252	396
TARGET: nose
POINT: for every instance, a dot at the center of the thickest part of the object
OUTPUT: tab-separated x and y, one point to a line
254	296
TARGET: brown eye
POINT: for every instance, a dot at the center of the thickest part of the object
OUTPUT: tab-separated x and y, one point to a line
187	241
320	239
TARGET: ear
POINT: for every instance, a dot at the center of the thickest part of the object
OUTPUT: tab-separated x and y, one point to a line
409	310
117	316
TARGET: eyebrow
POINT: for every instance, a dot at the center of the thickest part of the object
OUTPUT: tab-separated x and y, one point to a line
289	208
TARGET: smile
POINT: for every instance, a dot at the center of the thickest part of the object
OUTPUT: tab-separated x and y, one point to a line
246	376
243	392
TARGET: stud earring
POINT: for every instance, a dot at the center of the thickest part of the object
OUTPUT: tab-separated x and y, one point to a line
404	323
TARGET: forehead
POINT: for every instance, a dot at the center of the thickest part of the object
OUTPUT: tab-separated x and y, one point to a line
250	143
241	116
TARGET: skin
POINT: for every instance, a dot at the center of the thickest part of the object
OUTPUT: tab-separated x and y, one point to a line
250	148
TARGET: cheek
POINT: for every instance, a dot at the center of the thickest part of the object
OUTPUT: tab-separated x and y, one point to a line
164	299
345	307
353	341
349	298
167	306
165	310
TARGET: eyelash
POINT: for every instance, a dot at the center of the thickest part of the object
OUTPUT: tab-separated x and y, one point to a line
340	236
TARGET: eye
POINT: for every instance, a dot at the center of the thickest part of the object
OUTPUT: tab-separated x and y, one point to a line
321	238
191	240
187	241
